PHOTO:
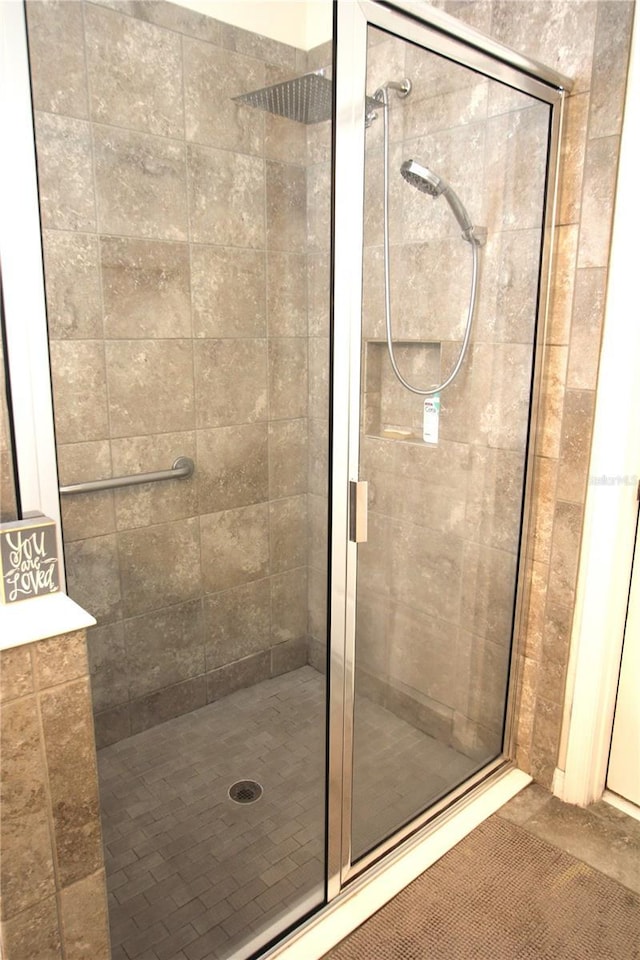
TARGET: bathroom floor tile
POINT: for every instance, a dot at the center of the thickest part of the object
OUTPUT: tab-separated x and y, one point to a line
194	874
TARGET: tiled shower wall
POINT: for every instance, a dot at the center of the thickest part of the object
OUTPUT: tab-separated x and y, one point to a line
436	582
175	228
589	42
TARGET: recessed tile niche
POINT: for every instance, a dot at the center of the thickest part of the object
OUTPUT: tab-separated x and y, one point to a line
390	410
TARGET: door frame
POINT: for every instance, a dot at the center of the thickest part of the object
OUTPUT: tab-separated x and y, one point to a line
611	509
443	34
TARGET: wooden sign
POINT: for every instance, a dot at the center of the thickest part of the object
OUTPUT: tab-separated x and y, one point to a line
28	559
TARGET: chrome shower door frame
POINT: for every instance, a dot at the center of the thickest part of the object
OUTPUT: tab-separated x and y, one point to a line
436	31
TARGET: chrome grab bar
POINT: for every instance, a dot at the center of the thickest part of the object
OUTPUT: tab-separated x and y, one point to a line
181	469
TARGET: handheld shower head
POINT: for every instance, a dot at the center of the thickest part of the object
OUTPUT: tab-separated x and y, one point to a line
422	178
429	182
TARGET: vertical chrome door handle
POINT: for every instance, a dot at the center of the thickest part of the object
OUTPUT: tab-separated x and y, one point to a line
358	511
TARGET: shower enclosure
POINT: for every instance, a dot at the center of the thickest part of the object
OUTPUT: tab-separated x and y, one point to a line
295	409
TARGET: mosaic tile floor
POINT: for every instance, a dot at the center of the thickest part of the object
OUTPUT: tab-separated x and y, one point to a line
193	875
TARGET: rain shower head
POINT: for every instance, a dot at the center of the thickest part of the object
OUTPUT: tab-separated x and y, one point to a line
307	99
428	182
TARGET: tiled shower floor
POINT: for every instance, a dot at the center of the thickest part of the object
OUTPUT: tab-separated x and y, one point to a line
193	875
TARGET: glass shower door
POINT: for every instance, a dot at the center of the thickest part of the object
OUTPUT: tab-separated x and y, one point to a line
450	276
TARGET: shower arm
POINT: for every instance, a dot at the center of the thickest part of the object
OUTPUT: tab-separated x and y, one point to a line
474	238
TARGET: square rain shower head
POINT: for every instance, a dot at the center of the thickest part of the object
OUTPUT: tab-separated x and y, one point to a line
307	99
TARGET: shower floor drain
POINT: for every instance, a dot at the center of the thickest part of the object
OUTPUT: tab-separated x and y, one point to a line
245	791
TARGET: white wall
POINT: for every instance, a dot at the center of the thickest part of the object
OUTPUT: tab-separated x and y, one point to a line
301	23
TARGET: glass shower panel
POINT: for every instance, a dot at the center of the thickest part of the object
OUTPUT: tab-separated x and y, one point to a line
186	236
436	580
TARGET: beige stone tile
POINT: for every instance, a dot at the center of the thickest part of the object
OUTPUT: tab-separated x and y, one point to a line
572	153
288	656
228	292
546	739
288	445
601	163
211	80
16	678
430	286
226	197
535	611
455	108
374	615
79	390
288	533
528	679
486	692
286	207
145	286
65	179
317	531
425	571
231	381
85	919
287	378
238	675
477	13
543	493
319	356
159	565
150	386
140	184
317	601
287	294
504	99
26	868
147	503
235	546
405	222
552	400
556	33
108	665
34	933
575	451
163	705
85	514
318	457
135	73
94	577
112	725
253	44
432	74
489	401
553	665
515	169
567	529
173	17
61	658
237	623
232	467
375	565
609	76
289	605
164	647
487	592
319	294
586	328
423	655
56	58
318	208
494	499
74	305
563	284
284	140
